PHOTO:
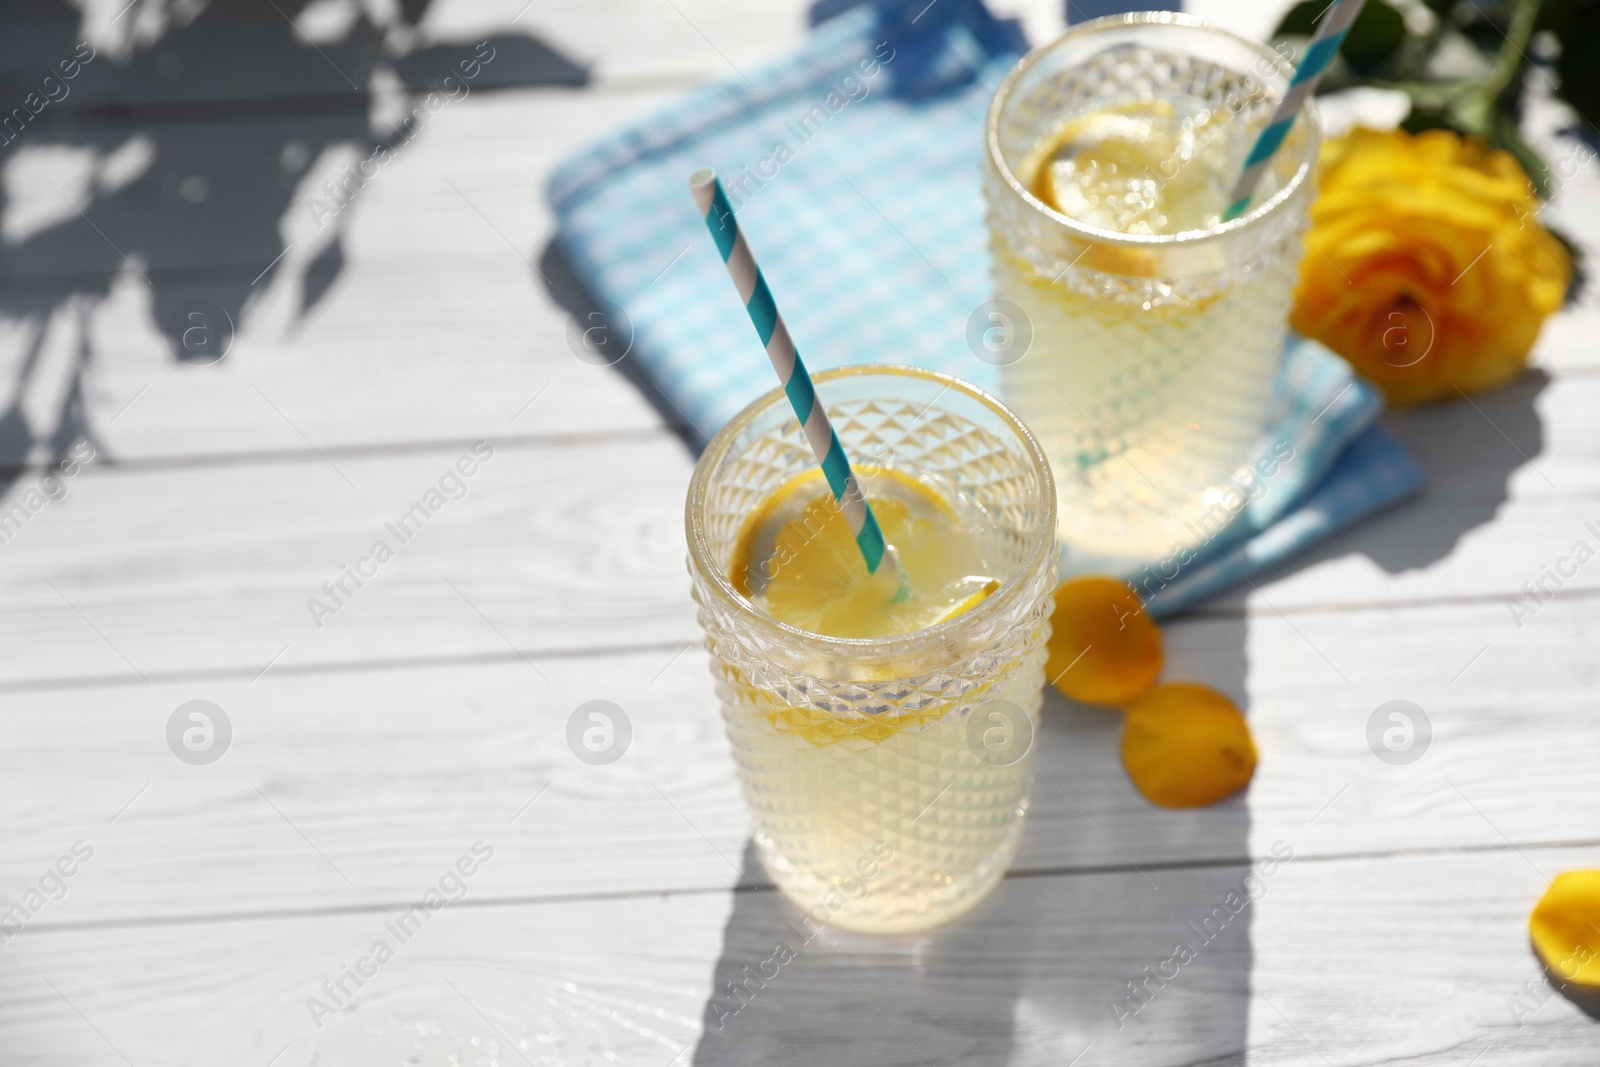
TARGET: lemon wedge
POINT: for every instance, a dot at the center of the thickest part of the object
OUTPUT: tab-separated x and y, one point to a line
796	560
989	586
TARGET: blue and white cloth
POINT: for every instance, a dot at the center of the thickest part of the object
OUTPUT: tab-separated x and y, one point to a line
854	165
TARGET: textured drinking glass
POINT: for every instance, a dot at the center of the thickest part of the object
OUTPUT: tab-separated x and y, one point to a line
1153	357
887	777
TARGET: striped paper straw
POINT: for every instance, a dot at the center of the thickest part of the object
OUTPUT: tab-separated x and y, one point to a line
792	372
1336	22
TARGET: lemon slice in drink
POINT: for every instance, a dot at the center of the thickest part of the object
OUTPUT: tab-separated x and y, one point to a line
1138	169
796	560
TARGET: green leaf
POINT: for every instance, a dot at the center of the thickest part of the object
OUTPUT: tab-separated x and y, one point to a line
1301	19
1429	118
1555	15
1579	65
1378	31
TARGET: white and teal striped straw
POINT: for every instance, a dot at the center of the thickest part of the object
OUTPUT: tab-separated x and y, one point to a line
718	214
1336	22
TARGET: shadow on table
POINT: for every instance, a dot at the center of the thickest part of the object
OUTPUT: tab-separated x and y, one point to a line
1585	1000
1469	450
1040	970
175	163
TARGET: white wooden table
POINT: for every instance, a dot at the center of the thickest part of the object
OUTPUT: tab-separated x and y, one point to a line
427	715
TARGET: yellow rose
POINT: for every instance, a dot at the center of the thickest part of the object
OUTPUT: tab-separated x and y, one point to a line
1425	266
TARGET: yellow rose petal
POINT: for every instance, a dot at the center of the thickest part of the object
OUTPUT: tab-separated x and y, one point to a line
1565	927
1104	647
1186	745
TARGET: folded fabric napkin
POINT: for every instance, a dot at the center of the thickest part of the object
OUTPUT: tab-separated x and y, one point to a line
854	165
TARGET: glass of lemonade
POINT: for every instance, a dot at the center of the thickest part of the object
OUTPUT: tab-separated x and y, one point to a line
883	738
1157	328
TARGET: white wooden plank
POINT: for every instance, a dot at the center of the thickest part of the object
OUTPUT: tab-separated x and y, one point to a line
1350	962
634	39
533	973
215	568
376	767
263	174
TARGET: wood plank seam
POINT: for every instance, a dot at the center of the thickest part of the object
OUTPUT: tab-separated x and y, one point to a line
745	886
493	658
43	684
106	464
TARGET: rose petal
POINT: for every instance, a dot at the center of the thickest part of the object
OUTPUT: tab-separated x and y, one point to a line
1104	647
1565	927
1186	745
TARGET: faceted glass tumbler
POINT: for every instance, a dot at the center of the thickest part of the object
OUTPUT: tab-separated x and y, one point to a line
1153	357
886	777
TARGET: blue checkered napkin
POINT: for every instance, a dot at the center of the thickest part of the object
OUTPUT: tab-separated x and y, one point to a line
854	165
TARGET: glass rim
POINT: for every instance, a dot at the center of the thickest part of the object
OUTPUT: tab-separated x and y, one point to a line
1183	238
1037	555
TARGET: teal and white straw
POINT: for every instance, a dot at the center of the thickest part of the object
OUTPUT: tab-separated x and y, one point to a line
1336	22
718	214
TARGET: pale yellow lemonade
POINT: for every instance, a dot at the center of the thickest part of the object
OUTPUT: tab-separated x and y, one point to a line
1144	389
878	817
